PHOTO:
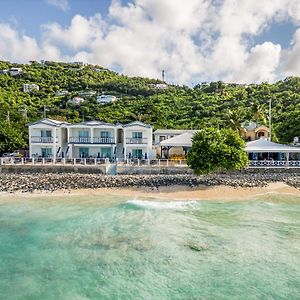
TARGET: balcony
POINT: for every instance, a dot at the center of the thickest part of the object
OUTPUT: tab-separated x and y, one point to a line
41	139
95	140
80	140
136	140
104	140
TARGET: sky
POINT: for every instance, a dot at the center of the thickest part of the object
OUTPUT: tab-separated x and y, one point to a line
241	41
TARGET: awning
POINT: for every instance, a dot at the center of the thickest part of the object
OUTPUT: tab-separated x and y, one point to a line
263	145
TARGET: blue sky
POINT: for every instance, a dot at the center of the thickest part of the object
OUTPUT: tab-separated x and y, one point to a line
193	40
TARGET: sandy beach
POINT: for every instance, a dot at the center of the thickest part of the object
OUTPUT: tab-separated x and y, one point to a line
177	192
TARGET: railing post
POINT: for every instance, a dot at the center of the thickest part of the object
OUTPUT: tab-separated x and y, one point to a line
43	160
167	162
138	162
22	161
95	161
84	161
1	161
64	161
74	161
32	161
159	162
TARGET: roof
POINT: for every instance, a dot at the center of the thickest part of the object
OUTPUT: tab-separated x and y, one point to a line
137	123
50	122
264	145
182	140
250	125
93	123
173	131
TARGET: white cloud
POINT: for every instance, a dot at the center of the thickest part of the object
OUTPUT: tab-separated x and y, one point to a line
291	57
61	4
79	34
192	40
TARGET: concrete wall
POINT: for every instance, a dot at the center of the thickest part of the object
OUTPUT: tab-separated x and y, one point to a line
130	170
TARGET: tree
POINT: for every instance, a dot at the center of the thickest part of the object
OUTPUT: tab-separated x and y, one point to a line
10	138
216	150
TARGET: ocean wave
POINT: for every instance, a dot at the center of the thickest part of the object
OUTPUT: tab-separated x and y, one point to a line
176	205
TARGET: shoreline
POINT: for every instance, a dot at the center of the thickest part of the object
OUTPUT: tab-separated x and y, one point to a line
167	193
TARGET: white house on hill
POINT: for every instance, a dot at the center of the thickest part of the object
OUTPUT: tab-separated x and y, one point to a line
104	99
30	87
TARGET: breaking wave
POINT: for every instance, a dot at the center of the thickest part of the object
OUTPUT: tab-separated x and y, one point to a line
176	205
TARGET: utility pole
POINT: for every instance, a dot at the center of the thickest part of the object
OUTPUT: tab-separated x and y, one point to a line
163	75
46	108
270	119
24	112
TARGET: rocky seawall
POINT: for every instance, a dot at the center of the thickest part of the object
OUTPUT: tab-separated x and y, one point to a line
73	181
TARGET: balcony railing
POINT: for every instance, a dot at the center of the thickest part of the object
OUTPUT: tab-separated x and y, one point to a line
41	139
95	140
80	140
274	163
136	140
104	140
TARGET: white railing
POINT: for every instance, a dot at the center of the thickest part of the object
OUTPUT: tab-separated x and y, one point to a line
41	139
92	161
80	140
136	140
95	140
274	163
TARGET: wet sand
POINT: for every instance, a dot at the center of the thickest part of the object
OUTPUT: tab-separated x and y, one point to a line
173	192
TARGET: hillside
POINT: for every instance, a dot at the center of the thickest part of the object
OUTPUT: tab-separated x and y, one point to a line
209	104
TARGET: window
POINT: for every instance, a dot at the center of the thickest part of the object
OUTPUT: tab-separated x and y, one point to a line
105	134
83	152
137	135
137	153
162	138
106	152
261	134
83	134
46	152
46	133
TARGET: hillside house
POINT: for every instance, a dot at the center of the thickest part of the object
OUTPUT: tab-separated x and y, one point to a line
30	87
104	99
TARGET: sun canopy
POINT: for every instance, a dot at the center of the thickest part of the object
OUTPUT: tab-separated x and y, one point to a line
182	140
262	146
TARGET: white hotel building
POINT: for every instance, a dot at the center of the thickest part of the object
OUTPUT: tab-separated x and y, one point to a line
93	139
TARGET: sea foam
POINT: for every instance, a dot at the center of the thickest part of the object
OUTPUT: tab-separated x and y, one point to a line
176	205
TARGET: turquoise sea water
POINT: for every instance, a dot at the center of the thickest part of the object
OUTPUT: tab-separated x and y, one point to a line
108	247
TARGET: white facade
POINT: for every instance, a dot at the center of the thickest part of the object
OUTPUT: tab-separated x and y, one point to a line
94	139
62	93
76	100
104	99
30	87
15	71
47	138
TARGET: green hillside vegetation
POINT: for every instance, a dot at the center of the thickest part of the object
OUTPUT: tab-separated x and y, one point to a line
213	104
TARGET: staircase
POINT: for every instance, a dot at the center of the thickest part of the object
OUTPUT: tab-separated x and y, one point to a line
119	151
